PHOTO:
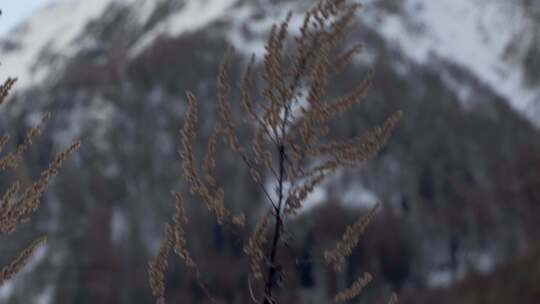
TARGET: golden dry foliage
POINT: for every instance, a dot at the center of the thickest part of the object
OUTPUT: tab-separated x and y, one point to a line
355	289
12	160
393	299
15	266
255	245
349	240
6	88
14	211
158	265
180	243
291	144
205	188
17	206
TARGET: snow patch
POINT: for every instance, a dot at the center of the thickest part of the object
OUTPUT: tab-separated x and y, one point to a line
356	196
193	16
249	31
46	296
463	91
314	199
359	197
477	261
440	278
473	34
50	33
51	29
119	226
97	115
6	290
37	257
145	8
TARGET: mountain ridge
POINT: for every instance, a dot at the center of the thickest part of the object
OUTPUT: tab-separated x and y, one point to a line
481	41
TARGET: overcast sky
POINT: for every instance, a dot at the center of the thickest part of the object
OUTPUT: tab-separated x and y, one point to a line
14	11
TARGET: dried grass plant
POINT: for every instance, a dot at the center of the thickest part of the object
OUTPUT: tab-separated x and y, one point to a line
291	146
17	205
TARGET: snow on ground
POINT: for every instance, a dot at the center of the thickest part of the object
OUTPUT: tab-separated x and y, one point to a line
119	226
354	196
145	8
236	35
249	32
6	290
53	30
359	197
37	257
470	261
316	198
96	114
473	34
440	278
46	296
193	16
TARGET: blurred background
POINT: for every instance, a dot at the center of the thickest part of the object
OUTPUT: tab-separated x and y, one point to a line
459	179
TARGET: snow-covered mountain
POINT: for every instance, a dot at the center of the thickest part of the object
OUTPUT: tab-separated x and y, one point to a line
498	41
466	74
